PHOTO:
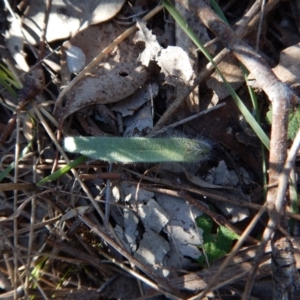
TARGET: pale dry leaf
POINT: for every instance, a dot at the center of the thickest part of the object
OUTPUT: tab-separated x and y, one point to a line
67	17
152	250
130	192
120	233
181	229
75	59
152	47
288	68
114	79
153	215
130	228
183	41
15	42
173	60
175	64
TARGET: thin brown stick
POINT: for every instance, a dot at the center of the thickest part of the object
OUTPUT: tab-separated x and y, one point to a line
44	30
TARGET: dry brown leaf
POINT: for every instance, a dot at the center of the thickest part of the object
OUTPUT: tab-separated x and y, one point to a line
67	17
288	68
112	80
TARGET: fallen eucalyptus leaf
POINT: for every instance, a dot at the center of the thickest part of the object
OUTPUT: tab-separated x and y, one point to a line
67	17
118	76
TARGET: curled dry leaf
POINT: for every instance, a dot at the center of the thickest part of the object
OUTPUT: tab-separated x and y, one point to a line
114	79
174	61
67	17
288	68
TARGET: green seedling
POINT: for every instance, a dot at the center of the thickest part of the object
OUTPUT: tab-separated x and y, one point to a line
215	245
139	149
7	80
62	171
294	121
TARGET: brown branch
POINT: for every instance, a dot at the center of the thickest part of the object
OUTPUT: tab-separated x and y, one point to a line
278	93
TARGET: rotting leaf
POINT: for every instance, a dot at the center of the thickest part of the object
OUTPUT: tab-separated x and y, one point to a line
106	83
67	16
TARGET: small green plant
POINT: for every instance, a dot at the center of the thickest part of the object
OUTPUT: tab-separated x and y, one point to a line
7	80
215	245
139	149
294	121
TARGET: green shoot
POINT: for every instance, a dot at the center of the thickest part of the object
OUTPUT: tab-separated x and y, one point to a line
294	122
137	149
63	170
7	80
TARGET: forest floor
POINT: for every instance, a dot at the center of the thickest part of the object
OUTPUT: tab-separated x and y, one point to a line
130	169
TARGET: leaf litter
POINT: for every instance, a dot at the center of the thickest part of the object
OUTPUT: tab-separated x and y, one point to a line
132	82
